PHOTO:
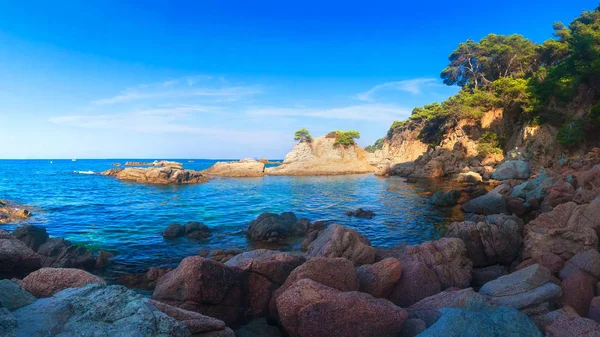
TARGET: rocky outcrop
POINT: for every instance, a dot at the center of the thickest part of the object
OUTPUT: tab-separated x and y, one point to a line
238	169
339	241
497	240
379	279
310	309
273	227
192	230
402	147
322	157
96	310
361	213
158	176
206	287
529	290
440	198
46	282
566	231
11	213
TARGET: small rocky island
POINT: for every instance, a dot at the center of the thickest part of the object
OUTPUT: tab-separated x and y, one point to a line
159	176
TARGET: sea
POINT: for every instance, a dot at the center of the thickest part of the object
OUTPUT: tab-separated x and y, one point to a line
73	201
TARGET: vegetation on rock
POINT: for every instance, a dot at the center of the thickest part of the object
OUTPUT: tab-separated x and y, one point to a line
533	82
302	135
378	145
344	138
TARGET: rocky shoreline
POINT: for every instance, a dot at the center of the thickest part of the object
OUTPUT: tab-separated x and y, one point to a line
524	261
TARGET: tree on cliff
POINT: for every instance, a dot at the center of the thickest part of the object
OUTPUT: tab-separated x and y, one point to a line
302	135
345	138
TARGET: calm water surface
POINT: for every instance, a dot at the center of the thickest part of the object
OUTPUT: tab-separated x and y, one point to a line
127	218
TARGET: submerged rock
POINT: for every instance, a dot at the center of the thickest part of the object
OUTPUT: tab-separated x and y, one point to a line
310	309
192	230
490	203
449	198
10	213
274	227
361	213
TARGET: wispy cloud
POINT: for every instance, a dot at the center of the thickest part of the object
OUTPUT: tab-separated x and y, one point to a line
367	112
414	86
202	86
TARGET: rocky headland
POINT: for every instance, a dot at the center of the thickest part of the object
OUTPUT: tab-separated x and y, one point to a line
159	176
240	169
12	213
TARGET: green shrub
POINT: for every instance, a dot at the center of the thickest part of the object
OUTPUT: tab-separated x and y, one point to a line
595	113
378	145
571	133
344	138
489	143
397	125
302	135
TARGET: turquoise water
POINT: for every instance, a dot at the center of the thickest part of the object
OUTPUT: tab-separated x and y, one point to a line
127	218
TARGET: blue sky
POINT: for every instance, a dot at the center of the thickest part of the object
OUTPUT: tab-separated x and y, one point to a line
229	79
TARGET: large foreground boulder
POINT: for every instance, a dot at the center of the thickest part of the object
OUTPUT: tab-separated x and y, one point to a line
529	290
205	286
566	231
310	309
46	282
339	241
268	270
497	240
95	310
274	227
566	322
379	279
480	319
428	309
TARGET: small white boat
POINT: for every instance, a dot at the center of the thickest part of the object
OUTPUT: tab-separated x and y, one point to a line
73	159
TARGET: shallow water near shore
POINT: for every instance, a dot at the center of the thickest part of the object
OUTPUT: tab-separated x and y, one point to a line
127	218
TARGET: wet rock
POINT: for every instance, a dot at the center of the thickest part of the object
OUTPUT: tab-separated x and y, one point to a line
32	236
207	287
481	319
361	213
16	259
495	241
512	169
339	241
587	262
103	259
273	227
96	310
577	292
566	231
223	256
196	323
268	270
440	198
60	253
309	308
379	279
12	296
173	231
46	282
197	230
428	309
526	289
490	203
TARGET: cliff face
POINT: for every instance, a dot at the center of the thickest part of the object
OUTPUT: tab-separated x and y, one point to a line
403	147
322	157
